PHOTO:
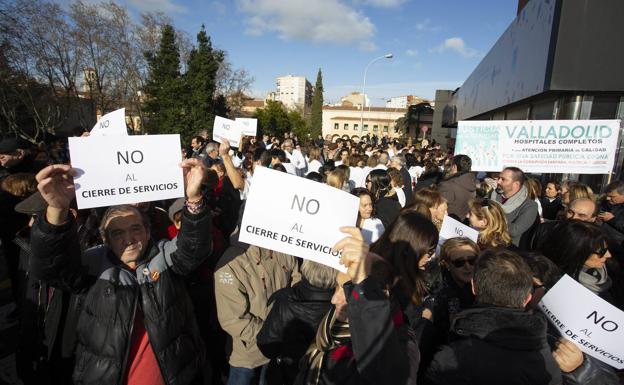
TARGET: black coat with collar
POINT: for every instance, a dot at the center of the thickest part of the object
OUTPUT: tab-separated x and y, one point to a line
114	294
290	327
496	345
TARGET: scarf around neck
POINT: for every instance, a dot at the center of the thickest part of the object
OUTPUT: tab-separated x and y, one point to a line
515	201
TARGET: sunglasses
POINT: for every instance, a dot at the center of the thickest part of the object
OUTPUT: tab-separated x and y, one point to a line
458	263
601	252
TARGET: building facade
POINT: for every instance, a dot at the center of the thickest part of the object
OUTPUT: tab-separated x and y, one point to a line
404	101
558	59
347	121
295	93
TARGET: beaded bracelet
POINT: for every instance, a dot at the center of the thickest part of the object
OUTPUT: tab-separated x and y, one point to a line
194	207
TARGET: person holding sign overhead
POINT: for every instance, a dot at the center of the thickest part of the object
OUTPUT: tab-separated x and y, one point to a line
137	324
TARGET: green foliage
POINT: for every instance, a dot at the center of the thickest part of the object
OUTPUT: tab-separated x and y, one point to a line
273	119
201	83
298	125
316	121
165	102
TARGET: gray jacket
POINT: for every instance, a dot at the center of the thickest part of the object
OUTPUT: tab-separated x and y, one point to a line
521	213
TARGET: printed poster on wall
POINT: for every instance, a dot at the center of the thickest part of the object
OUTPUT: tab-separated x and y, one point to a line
540	146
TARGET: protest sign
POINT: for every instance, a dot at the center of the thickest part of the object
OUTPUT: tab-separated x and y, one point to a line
113	123
116	170
540	146
596	326
250	126
227	129
297	216
452	228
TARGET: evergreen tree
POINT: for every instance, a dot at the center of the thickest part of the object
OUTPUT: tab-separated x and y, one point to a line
201	83
165	105
316	123
273	119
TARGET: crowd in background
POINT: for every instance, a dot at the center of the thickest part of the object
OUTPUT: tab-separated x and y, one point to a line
164	293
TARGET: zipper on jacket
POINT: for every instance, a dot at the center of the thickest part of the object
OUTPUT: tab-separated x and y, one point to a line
124	368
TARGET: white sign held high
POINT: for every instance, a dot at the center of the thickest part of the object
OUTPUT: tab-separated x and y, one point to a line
111	124
452	228
116	170
596	326
250	126
227	129
305	216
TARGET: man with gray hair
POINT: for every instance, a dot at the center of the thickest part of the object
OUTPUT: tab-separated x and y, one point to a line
212	154
295	156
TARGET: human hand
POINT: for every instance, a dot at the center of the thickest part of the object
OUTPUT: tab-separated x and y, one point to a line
354	253
568	356
606	216
56	185
194	174
224	148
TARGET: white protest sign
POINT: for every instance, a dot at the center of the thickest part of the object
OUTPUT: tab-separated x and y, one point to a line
250	126
297	216
111	124
596	326
452	228
228	129
116	170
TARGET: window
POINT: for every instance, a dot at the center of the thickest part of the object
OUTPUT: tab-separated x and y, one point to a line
366	127
356	127
346	126
375	128
336	126
604	107
385	129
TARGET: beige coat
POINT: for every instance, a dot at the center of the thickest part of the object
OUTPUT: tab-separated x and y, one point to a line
245	278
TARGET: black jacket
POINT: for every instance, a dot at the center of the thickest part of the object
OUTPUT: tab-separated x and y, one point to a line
551	209
496	346
458	189
381	349
290	327
387	210
114	294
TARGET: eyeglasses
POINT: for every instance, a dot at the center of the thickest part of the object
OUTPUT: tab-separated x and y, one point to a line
432	249
458	263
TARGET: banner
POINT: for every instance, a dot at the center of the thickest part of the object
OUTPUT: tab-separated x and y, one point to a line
297	216
540	146
115	170
596	326
113	123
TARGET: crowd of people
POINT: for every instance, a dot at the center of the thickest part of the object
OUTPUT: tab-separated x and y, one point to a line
164	292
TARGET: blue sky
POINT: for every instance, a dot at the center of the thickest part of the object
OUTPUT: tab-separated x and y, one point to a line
436	44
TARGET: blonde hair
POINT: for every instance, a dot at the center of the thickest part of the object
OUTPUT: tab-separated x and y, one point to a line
496	233
534	188
429	197
336	178
579	190
319	275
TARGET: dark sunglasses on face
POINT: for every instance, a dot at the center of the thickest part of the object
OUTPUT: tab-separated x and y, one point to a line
459	263
601	252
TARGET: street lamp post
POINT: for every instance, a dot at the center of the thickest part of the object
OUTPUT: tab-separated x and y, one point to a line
386	56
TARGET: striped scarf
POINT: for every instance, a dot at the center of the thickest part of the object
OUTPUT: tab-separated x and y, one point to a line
332	335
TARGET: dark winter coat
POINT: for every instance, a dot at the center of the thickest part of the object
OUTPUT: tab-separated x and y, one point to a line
551	209
407	185
496	346
114	294
381	349
617	223
458	189
290	327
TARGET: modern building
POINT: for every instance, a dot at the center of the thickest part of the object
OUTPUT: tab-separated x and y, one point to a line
559	59
295	93
346	121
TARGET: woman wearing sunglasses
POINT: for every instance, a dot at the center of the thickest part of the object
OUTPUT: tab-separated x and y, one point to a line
579	249
488	217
